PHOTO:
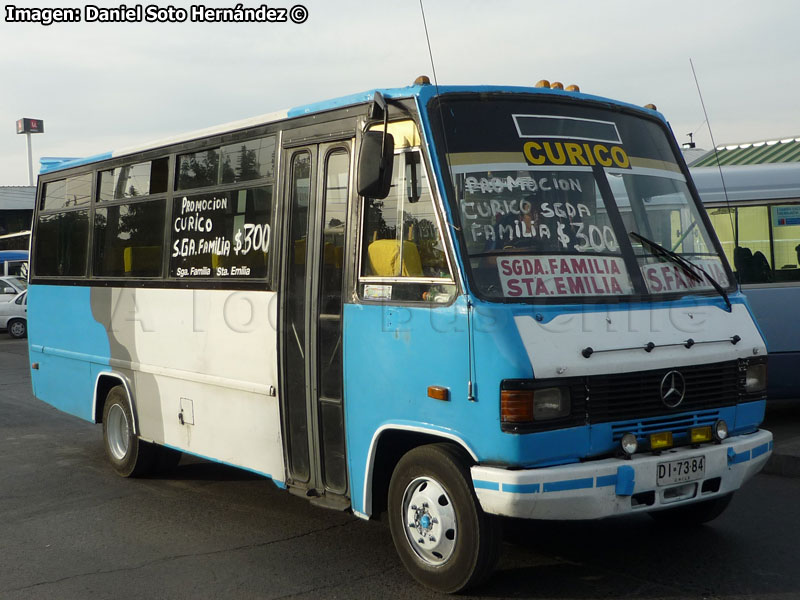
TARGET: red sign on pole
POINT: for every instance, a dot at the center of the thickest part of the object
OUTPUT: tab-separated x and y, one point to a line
30	126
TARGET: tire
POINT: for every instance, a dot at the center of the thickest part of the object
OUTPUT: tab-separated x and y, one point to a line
443	537
128	455
693	514
17	328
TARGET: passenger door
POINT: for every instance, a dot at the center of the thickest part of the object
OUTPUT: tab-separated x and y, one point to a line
316	193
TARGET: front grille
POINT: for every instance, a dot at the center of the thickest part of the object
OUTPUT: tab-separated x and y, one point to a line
642	428
631	396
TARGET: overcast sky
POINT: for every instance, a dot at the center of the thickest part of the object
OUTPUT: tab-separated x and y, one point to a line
101	86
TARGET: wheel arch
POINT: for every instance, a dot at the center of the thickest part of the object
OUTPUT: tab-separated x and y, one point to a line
102	385
389	444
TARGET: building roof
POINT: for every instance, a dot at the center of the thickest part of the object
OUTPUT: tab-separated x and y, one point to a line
17	197
752	153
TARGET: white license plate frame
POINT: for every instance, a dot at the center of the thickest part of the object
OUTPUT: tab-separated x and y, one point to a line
681	470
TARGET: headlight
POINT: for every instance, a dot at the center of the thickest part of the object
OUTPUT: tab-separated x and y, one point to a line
720	430
550	403
756	378
629	444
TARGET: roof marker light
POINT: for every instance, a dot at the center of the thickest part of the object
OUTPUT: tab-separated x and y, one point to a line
542	83
556	85
422	80
651	106
573	88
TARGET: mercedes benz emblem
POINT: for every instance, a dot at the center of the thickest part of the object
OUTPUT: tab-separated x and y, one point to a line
673	388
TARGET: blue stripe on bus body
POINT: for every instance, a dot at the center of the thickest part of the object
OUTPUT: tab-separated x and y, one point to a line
567	485
280	484
735	458
522	488
49	167
606	481
486	485
759	450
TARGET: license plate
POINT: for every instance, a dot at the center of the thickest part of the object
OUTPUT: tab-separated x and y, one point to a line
679	471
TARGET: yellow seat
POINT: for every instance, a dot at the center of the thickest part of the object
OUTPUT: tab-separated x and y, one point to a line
384	259
142	258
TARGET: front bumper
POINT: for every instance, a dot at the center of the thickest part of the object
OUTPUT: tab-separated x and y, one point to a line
617	486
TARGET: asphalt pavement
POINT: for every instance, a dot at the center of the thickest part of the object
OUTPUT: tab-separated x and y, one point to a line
783	420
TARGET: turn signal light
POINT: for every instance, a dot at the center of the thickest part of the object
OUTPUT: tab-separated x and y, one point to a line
437	392
698	435
661	441
516	406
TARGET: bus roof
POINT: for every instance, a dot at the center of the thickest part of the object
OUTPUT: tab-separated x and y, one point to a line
422	92
771	181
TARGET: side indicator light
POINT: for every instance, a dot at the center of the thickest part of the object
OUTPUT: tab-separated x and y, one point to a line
438	392
661	441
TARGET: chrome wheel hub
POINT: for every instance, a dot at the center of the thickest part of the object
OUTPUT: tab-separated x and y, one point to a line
118	432
430	520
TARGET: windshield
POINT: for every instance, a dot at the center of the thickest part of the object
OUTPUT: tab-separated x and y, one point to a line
547	194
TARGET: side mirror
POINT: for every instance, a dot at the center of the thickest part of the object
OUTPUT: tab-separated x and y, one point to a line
375	162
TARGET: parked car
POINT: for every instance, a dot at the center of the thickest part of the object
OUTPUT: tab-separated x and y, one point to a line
14	315
11	286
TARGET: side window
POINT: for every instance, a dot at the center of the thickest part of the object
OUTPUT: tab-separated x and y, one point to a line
403	255
62	244
242	161
762	243
221	234
128	239
131	181
67	193
751	256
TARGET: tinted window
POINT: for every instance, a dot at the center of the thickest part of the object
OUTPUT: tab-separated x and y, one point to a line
199	169
61	244
128	240
67	193
221	234
242	161
131	181
248	160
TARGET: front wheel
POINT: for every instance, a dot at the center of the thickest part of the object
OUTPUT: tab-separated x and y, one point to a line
443	537
693	514
128	455
17	328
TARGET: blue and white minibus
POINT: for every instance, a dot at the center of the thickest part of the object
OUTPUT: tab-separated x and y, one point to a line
448	304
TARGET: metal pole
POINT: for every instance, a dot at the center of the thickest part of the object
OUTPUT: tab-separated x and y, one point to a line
30	160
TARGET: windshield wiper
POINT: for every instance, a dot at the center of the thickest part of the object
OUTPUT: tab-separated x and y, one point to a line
689	268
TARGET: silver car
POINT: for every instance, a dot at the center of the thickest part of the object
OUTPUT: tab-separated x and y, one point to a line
14	315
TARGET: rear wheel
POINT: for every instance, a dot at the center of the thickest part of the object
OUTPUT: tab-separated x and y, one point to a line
694	514
442	536
17	328
128	455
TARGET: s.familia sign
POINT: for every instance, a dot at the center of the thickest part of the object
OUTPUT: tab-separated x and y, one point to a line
572	141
